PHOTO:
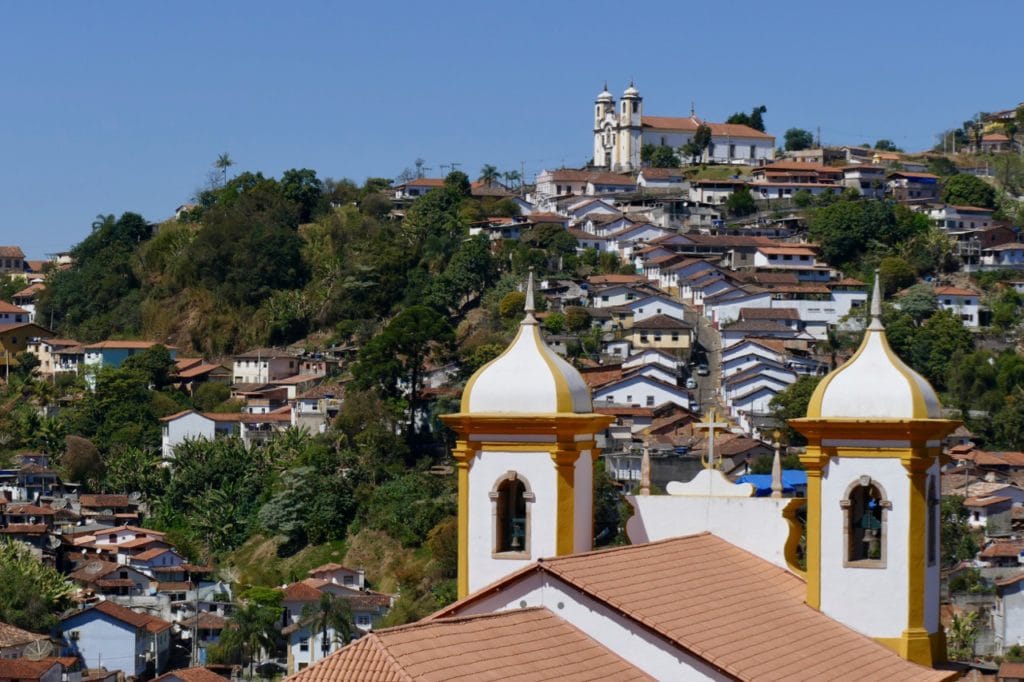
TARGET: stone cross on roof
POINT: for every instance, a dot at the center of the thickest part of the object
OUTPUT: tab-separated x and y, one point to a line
710	424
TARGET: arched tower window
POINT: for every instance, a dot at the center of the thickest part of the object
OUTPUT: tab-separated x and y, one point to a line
511	500
933	523
865	521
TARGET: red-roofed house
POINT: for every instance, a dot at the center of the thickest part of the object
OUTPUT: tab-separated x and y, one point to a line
106	634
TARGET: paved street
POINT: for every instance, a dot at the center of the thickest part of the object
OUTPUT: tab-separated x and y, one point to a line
708	349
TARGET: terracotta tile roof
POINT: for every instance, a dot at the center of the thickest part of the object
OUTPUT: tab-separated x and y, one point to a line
1008	549
24	529
94	570
769	314
151	553
756	326
301	591
657	322
12	636
526	644
139	620
118	344
984	501
11	252
788	250
104	500
24	669
601	375
708	596
691	123
541	217
206	620
6	307
174	586
198	370
954	291
662	173
190	675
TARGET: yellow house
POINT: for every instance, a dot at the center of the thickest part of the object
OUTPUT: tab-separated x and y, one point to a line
662	331
15	337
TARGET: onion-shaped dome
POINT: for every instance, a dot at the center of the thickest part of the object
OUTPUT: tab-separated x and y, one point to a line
527	378
874	383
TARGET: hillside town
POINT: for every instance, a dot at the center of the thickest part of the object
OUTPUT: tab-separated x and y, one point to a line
208	474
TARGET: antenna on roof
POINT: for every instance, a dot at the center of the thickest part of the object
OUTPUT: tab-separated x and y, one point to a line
876	306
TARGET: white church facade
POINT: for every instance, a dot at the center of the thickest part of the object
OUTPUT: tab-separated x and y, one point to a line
715	585
622	129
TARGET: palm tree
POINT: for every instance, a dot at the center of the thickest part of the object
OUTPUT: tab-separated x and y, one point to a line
514	178
222	163
251	629
962	633
330	613
488	174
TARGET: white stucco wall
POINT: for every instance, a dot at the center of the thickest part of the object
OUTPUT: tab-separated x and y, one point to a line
872	601
488	467
643	649
755	524
191	426
583	517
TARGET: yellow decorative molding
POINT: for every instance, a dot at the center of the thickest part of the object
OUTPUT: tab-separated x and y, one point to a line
793	541
919	646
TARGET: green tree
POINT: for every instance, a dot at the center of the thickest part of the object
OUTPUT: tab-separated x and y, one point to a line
755	119
1008	422
488	174
797	139
392	361
895	274
407	507
741	203
81	461
792	404
251	629
919	302
32	595
222	164
885	145
130	469
957	542
968	190
941	338
942	166
302	187
698	144
802	198
961	635
154	364
658	156
331	614
209	395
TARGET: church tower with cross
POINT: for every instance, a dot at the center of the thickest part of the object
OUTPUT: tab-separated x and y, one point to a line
525	454
874	429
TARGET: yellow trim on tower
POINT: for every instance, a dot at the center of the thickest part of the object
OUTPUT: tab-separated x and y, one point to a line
813	461
920	647
468	390
565	503
789	551
814	405
463	456
920	407
563	400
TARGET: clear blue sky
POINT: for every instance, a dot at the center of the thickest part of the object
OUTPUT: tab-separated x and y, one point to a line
117	106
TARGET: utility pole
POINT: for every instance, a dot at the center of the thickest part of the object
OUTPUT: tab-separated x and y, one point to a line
819	137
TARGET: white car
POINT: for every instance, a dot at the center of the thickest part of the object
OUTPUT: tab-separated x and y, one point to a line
691	383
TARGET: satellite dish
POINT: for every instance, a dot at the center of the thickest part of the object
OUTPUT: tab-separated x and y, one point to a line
107	512
135	496
58	504
53	541
38	649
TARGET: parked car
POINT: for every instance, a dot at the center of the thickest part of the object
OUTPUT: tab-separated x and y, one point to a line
691	383
702	370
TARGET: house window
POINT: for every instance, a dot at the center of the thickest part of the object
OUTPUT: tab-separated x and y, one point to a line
865	524
650	401
510	497
304	644
752	150
363	620
347	580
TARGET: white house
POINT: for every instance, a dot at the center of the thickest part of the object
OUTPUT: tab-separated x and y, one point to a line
950	217
191	425
263	365
964	303
642	390
661	178
867	179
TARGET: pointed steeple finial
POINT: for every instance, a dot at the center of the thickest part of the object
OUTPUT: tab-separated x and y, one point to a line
693	109
605	86
876	306
529	306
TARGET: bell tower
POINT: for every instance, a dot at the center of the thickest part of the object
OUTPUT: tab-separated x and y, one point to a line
630	130
605	128
525	455
874	430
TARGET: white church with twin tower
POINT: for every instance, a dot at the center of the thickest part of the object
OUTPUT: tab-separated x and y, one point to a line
621	130
717	584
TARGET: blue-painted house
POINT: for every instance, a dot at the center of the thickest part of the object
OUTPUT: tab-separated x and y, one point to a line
113	353
116	638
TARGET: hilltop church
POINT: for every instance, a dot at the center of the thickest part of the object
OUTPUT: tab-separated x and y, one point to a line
713	586
621	131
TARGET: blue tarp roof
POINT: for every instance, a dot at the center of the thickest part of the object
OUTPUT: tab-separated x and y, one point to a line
791	480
